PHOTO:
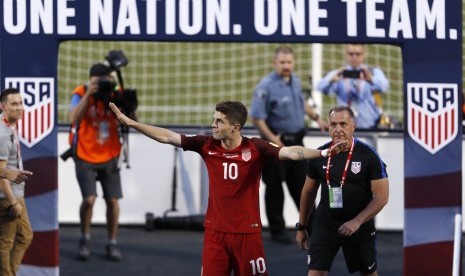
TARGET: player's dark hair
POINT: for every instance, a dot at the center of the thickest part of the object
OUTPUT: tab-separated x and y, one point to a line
283	49
235	111
7	92
341	109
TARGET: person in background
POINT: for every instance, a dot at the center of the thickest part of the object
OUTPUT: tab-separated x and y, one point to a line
278	112
96	145
354	188
357	85
15	228
232	237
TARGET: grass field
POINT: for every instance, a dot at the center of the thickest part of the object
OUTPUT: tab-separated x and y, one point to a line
179	83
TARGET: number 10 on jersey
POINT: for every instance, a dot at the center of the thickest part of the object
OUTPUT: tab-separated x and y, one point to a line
230	171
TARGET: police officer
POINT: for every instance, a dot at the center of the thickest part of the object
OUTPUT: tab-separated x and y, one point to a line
277	111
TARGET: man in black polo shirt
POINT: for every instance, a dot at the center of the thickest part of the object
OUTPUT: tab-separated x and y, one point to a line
354	188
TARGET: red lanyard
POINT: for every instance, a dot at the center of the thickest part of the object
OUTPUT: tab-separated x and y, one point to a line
16	140
344	173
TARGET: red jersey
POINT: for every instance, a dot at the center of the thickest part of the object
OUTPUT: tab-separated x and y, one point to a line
234	181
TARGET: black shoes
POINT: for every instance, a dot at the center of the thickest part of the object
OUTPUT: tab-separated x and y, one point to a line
84	249
113	253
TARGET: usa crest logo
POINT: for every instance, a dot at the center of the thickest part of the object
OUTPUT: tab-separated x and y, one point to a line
432	110
356	167
39	108
246	154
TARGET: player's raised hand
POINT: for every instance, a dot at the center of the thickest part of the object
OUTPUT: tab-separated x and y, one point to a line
337	148
120	116
17	176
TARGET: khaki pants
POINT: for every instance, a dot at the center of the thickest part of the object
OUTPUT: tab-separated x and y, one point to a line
15	237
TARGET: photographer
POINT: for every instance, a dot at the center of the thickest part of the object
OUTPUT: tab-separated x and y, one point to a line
96	148
357	85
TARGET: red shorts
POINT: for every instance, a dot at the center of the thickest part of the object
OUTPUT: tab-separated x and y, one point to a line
238	252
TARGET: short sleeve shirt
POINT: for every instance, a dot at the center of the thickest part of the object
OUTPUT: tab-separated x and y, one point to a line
234	180
365	166
9	153
280	104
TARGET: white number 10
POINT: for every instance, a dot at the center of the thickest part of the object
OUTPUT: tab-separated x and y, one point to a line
258	266
230	171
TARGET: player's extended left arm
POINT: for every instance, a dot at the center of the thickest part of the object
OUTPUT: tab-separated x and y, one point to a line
380	191
297	153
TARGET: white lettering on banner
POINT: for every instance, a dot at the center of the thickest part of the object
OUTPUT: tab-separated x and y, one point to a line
128	18
41	16
432	110
400	20
39	108
101	15
372	16
392	18
352	16
436	17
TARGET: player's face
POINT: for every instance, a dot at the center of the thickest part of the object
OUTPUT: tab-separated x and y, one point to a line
222	128
284	64
355	55
13	107
341	126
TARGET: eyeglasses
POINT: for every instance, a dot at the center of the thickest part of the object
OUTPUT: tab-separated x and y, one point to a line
354	54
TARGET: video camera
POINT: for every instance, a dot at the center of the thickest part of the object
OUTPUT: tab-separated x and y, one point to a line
126	99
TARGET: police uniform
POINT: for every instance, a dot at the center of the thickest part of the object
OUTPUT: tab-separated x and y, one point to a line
281	105
359	249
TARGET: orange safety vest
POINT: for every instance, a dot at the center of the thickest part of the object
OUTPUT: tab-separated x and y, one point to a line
97	138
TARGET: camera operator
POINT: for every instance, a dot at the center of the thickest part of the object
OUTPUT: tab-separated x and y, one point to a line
96	148
357	85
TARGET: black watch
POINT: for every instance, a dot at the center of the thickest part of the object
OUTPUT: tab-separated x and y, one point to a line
300	227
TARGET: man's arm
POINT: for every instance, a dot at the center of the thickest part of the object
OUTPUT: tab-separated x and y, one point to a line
307	201
15	176
300	153
265	131
5	187
315	116
158	134
380	190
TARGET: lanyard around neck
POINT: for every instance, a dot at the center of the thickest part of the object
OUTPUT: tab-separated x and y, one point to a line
344	173
14	128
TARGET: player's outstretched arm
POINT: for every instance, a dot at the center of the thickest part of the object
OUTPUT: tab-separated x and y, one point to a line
301	153
159	134
13	175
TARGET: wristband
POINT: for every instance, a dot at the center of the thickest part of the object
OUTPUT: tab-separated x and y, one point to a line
324	153
300	227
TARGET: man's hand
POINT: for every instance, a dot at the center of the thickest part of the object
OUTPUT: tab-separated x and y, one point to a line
302	239
16	176
348	228
337	148
120	116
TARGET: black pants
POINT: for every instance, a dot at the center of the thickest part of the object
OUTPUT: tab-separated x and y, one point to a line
274	173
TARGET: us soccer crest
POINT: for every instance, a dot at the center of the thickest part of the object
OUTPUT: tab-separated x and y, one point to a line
246	154
39	108
356	167
433	111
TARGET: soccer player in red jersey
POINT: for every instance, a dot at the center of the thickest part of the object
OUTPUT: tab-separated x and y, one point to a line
232	239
